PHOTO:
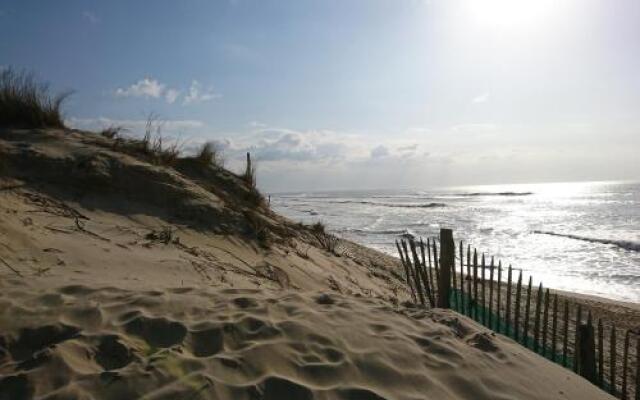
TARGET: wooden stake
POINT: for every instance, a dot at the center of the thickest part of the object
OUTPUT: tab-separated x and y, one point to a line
475	284
565	336
545	322
576	351
554	328
638	368
490	319
425	276
498	306
612	364
587	349
454	281
507	317
471	299
516	322
536	323
462	299
436	263
625	365
600	353
416	272
434	283
527	312
406	270
484	306
447	267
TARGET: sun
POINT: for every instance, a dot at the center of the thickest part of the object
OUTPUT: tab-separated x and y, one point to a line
512	14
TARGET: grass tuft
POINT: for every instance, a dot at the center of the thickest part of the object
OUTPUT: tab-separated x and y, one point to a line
27	103
152	147
210	154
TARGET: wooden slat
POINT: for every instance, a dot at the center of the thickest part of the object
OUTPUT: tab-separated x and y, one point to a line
638	368
600	353
470	305
425	276
436	263
507	316
625	366
412	269
475	284
499	303
516	321
462	304
484	305
565	333
525	335
454	280
434	282
545	322
576	353
536	319
416	272
490	319
612	360
554	328
406	269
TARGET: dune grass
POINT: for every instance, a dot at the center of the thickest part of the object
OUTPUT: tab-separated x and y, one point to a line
210	154
27	103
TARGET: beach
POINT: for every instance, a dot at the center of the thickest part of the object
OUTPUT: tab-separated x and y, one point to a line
190	290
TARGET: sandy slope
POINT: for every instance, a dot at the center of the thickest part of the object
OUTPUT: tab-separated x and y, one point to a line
96	304
78	341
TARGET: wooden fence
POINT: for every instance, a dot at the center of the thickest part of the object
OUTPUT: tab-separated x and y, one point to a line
551	324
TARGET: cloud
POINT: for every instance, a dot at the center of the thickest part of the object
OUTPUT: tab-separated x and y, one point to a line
197	95
379	152
171	95
146	87
91	17
150	88
482	98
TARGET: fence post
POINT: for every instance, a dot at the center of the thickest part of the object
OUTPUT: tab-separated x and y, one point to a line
587	349
447	262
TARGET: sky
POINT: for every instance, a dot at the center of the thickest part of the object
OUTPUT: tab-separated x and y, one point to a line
354	94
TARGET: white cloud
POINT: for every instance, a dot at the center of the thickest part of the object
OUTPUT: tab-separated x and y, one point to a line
153	89
171	95
197	95
146	87
91	17
481	98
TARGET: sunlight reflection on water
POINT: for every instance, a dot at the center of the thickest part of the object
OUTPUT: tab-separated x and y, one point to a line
501	221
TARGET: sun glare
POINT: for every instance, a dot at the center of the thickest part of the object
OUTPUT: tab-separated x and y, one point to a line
512	14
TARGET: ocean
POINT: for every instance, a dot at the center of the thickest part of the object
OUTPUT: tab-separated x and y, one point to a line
580	237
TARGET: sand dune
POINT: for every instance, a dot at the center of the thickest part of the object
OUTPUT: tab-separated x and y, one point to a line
109	343
120	279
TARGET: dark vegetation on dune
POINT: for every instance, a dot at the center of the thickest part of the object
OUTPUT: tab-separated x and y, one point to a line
27	104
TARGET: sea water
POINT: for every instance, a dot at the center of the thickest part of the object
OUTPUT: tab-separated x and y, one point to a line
581	237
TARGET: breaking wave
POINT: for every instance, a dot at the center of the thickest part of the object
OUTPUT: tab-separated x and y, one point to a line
623	244
476	194
394	205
